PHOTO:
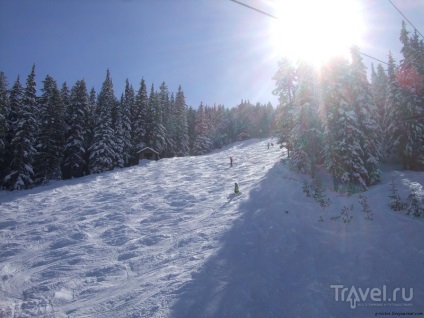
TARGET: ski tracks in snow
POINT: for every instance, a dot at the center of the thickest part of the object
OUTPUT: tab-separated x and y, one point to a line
121	243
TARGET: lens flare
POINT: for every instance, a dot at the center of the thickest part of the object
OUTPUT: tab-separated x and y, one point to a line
315	31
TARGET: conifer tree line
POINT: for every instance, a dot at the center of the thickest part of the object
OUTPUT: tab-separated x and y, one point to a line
338	119
73	132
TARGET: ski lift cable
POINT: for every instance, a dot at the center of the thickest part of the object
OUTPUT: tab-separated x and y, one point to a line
255	9
413	117
406	19
274	17
373	58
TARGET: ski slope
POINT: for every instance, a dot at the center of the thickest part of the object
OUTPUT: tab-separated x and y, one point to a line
170	239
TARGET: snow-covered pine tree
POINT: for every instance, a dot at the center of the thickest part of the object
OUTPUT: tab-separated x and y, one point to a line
410	77
379	88
266	118
366	114
219	135
209	117
156	134
202	144
50	135
4	126
117	134
23	127
285	88
211	121
243	114
164	113
127	106
74	160
395	123
138	121
230	125
65	96
102	151
181	131
307	132
191	124
171	128
30	100
343	151
90	123
149	119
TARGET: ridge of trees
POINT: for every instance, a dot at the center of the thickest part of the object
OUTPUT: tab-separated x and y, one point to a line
337	119
69	133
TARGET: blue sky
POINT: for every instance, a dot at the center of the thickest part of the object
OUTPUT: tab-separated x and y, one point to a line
219	51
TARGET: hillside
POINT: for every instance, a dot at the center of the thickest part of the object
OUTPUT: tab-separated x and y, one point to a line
170	239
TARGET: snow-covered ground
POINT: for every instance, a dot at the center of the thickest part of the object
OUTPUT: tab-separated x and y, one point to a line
170	239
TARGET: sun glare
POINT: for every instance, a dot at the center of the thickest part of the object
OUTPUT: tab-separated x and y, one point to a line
315	31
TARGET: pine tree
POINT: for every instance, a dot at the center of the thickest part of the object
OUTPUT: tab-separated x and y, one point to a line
218	134
395	125
410	77
171	128
227	126
90	123
181	131
50	136
22	104
285	79
30	100
191	124
138	121
379	89
117	134
307	133
164	114
4	126
202	144
65	96
366	113
127	106
243	115
102	151
343	152
74	161
156	134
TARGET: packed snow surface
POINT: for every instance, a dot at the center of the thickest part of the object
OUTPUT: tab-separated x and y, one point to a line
171	239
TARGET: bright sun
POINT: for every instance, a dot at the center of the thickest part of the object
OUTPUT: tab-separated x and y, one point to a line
315	30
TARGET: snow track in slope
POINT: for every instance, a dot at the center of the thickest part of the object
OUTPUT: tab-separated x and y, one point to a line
123	242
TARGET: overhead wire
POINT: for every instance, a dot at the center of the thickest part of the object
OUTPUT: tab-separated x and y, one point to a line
406	19
414	117
255	9
274	17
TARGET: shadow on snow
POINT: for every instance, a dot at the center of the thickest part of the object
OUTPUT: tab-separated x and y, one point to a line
258	270
277	260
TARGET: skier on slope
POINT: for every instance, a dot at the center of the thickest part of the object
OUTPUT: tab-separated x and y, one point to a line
231	161
236	188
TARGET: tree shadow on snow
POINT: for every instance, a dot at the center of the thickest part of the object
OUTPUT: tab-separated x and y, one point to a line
253	274
276	261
